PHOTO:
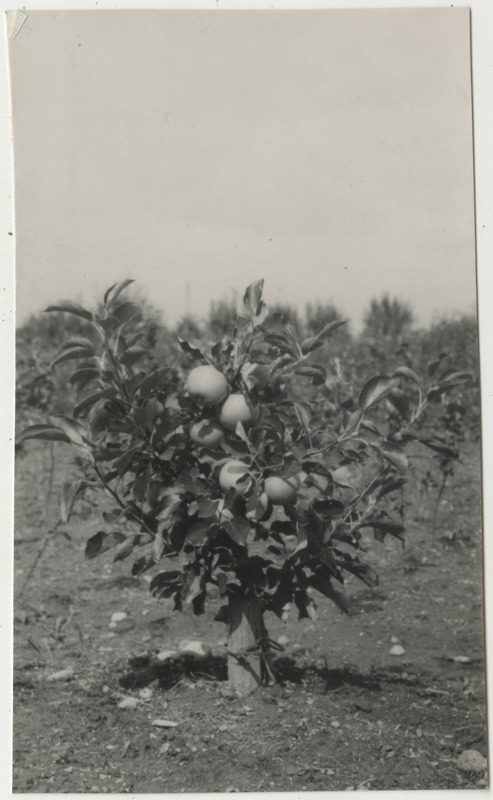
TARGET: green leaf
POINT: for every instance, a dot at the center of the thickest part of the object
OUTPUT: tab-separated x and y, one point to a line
73	353
328	509
406	372
142	565
390	485
394	454
200	531
223	614
114	291
310	344
115	515
255	375
145	415
369	425
375	390
322	584
81	377
393	527
194	590
400	401
293	335
252	571
252	299
347	476
71	308
92	399
198	603
315	467
452	376
362	571
126	311
44	432
304	414
158	548
283	526
237	529
447	381
77	341
164	584
76	432
330	328
68	494
152	381
241	433
132	356
102	541
127	546
439	447
433	366
206	507
257	505
305	605
313	342
191	350
282	343
222	583
315	372
109	325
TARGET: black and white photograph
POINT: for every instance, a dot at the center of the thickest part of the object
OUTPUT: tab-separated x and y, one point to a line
248	528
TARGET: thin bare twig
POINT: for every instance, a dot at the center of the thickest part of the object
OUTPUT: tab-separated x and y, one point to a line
51	530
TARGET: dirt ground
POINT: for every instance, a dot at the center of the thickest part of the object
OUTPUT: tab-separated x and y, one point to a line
346	713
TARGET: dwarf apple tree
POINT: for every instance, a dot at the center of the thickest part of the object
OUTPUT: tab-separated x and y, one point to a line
229	467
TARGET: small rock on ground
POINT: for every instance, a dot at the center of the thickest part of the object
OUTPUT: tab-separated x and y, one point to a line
63	675
118	616
471	761
128	702
162	656
164	723
194	648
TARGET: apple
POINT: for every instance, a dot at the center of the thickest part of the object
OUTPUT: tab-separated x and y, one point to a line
283	490
207	385
206	432
231	473
236	409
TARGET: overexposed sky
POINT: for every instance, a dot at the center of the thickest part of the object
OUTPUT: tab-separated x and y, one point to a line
329	152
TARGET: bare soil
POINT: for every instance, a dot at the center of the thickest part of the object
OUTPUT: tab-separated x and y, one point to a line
346	713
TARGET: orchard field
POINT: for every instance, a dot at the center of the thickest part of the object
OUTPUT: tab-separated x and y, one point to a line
388	694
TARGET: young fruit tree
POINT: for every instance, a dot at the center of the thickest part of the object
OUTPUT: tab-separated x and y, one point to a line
232	469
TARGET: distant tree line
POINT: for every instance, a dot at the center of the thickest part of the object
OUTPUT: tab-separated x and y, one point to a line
389	337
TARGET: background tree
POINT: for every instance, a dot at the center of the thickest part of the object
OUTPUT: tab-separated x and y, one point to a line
222	318
188	328
385	339
388	319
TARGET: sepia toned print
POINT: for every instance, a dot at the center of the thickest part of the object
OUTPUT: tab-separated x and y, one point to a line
248	540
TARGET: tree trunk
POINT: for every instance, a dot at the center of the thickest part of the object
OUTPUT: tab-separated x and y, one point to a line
245	630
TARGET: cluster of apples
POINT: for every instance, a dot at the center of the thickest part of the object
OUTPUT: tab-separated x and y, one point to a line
236	475
210	388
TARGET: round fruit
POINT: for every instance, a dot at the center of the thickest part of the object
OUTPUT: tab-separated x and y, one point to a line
235	409
230	475
279	491
283	490
206	433
207	385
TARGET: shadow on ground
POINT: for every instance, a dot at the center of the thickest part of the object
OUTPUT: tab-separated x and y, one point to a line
141	672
